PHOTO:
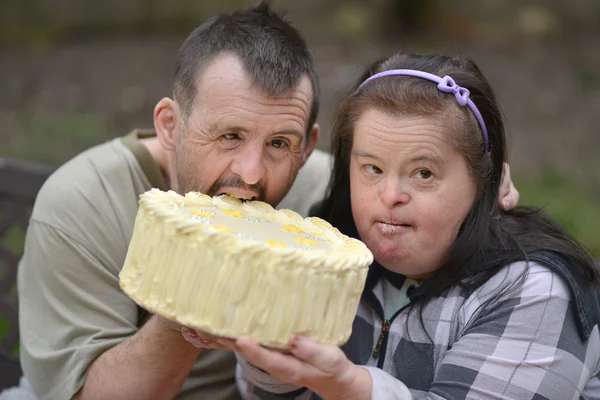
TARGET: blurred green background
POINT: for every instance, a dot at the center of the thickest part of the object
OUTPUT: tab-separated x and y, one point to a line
75	73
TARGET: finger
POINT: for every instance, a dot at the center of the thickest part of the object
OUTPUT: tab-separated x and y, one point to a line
205	335
208	337
255	353
282	366
226	343
192	337
203	340
327	358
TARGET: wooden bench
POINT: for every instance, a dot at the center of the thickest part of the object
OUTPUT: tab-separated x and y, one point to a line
19	184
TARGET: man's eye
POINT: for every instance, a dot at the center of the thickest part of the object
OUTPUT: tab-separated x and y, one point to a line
424	174
230	136
371	169
278	144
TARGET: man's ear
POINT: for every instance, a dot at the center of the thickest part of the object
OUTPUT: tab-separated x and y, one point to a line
166	115
311	142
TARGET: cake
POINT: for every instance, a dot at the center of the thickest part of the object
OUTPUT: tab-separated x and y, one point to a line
237	268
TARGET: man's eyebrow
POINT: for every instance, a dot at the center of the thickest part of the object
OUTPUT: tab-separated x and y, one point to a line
215	129
290	132
365	154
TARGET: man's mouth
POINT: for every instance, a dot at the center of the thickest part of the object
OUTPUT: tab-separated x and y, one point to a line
236	187
240	195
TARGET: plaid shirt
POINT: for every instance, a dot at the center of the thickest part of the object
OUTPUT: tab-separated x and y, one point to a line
503	340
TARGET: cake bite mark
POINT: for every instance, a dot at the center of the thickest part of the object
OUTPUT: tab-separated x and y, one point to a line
292	229
275	243
305	241
234	213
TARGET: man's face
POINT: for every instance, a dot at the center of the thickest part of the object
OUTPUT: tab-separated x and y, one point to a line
240	141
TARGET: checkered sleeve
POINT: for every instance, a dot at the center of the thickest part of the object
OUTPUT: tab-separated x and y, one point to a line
386	387
523	345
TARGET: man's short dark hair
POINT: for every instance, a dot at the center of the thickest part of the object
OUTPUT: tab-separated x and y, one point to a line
271	51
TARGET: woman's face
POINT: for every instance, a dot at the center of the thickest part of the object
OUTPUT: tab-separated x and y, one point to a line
410	191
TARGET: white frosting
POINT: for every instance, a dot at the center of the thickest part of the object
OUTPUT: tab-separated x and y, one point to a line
244	269
249	227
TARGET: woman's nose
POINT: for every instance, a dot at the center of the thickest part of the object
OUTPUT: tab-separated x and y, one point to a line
394	192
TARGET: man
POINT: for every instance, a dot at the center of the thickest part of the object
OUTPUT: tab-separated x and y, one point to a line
241	121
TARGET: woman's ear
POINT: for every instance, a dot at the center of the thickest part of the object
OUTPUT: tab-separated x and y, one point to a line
166	114
509	195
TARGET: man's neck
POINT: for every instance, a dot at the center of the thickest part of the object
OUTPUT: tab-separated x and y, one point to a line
159	154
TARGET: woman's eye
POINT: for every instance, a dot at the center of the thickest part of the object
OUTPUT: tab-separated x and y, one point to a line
424	174
371	169
278	144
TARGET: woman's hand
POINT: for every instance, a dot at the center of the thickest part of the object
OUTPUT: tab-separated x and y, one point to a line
509	195
322	368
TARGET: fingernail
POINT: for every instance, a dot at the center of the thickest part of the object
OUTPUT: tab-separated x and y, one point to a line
189	333
294	342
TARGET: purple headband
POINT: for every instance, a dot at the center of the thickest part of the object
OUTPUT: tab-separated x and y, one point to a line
446	85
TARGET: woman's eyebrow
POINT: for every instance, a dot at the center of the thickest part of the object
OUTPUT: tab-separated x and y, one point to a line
365	154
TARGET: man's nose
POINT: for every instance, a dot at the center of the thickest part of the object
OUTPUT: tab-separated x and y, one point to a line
249	165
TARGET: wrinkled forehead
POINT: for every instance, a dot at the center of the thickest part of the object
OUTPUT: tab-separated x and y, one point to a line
375	120
225	82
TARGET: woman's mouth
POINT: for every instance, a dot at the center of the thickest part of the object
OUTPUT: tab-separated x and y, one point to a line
392	228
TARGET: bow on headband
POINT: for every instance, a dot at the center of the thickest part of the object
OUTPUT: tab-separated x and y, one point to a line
447	85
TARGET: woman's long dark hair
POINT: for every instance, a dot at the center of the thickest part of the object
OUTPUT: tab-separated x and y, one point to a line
488	238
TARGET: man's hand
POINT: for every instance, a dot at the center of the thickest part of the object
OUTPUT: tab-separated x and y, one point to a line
203	340
198	339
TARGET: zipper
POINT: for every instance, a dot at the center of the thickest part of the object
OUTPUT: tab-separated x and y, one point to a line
385	328
381	345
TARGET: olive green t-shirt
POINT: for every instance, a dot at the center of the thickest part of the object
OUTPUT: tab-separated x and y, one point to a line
71	308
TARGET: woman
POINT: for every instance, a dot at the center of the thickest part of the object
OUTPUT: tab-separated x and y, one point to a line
465	300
